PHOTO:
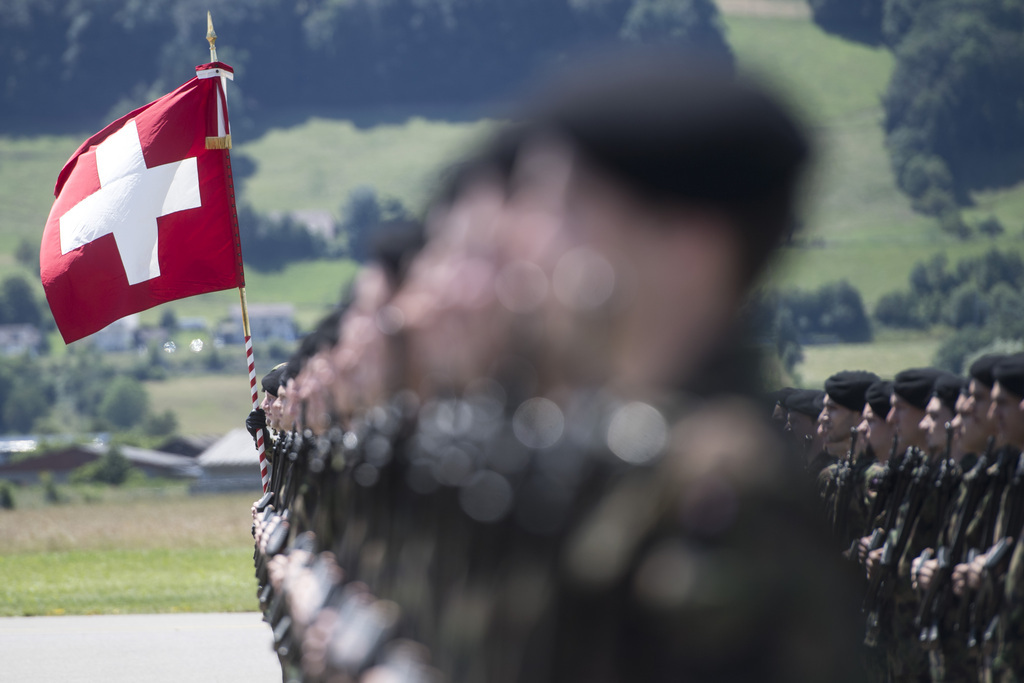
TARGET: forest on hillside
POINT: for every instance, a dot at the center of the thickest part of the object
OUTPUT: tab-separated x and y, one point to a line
954	108
64	60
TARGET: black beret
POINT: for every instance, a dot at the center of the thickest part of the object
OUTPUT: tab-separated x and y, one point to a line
848	388
395	243
1009	372
915	385
806	402
879	397
981	369
676	130
948	388
778	397
272	381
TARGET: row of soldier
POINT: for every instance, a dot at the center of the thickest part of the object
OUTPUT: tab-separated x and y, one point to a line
527	448
922	482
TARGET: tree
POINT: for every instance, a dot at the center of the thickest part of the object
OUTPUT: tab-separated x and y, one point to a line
6	497
991	227
18	301
360	215
898	309
692	23
112	468
859	20
27	254
26	402
952	107
164	424
125	403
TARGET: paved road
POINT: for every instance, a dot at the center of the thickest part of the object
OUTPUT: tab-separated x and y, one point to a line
134	648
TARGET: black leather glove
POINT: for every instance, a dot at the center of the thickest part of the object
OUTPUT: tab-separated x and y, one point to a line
256	421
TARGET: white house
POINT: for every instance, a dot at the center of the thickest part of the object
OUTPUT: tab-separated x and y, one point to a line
230	464
18	339
268	322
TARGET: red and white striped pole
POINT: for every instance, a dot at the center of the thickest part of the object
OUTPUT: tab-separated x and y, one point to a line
223	141
251	362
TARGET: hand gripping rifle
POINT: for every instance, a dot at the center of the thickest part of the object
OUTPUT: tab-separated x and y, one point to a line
970	618
900	472
940	590
885	487
990	598
883	582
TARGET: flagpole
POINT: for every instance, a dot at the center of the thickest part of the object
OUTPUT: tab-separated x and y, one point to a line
261	450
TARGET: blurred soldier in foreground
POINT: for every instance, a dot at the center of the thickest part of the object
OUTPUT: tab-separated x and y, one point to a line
533	453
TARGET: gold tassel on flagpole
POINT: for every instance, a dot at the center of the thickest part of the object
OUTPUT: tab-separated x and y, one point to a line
219	143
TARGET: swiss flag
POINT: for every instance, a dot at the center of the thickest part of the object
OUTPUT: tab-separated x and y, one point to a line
145	213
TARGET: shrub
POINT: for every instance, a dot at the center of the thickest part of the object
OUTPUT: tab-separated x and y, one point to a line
113	468
125	402
6	496
991	227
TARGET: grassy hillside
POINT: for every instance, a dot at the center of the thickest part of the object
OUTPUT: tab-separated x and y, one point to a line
210	404
857	225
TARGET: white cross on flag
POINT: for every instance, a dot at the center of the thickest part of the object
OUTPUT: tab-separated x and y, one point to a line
144	213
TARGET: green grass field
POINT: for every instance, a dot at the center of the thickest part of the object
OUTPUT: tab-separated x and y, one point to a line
127	581
207	404
884	358
140	550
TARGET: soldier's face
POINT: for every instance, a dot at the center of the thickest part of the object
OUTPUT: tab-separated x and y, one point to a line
276	409
875	431
836	421
933	424
800	425
1008	415
681	265
973	422
906	420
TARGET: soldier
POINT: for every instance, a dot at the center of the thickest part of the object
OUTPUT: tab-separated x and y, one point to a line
845	397
804	407
949	655
579	486
875	431
906	661
842	409
911	392
939	413
1002	595
780	414
264	417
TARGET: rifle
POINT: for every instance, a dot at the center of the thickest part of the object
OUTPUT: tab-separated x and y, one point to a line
885	487
844	489
900	475
883	583
940	591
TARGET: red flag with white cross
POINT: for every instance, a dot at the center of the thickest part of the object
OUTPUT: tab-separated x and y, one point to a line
145	211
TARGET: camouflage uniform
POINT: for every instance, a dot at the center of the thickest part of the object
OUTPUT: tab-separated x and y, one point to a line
952	660
700	587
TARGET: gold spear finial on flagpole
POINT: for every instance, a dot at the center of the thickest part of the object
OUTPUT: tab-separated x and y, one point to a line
211	36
